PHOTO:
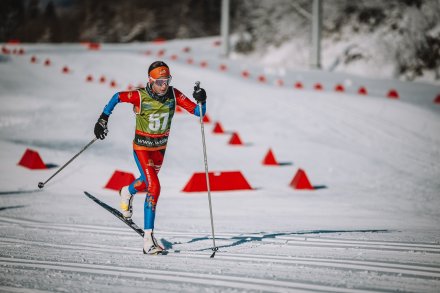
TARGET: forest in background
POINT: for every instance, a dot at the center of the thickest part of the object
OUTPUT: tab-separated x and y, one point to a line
405	31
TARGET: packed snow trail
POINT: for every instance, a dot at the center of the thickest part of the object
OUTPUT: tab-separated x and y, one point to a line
373	228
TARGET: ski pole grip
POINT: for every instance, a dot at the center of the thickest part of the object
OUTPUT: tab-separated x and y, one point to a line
196	89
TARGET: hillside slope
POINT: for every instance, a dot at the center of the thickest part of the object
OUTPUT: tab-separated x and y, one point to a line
371	226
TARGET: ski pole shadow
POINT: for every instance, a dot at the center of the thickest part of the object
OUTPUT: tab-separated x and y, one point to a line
167	244
259	237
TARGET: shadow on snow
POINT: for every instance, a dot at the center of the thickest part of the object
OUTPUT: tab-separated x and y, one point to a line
239	240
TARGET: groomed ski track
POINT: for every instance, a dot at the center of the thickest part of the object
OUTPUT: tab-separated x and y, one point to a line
371	227
169	267
177	276
269	238
420	270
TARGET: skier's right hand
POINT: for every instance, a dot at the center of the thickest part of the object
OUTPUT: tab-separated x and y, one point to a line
101	126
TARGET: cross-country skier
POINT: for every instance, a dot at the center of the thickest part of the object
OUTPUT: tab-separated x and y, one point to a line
154	106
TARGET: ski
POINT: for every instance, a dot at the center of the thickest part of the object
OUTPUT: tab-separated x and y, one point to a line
117	213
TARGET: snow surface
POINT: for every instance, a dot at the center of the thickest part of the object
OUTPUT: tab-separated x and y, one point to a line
374	227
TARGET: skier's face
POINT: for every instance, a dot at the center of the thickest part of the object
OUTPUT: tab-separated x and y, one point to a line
160	85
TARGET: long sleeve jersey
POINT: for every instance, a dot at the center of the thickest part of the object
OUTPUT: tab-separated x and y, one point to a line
153	114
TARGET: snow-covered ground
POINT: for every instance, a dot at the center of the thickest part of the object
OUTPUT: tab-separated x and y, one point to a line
374	228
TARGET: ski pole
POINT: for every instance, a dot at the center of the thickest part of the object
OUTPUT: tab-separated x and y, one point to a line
214	248
41	184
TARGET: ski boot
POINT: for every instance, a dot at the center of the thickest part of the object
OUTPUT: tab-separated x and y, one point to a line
151	246
126	203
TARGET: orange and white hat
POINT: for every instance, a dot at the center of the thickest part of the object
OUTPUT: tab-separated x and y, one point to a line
159	69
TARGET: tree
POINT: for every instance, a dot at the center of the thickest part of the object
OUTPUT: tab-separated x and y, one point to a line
12	14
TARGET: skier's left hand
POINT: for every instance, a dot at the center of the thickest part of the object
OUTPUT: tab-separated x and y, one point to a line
199	95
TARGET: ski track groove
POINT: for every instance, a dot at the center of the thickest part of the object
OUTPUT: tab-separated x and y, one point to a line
308	243
419	270
319	242
217	280
8	289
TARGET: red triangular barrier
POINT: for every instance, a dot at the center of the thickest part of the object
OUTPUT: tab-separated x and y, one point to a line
160	53
437	100
393	94
13	42
262	78
94	46
318	87
218	181
206	119
159	40
32	160
119	179
339	88
300	181
362	91
235	139
269	159
218	128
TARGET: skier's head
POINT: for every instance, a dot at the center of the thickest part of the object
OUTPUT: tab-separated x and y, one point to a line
159	77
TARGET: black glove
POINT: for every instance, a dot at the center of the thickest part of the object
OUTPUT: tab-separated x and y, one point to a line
101	126
199	94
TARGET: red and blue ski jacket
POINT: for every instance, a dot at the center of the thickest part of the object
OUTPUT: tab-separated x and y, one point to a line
153	114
